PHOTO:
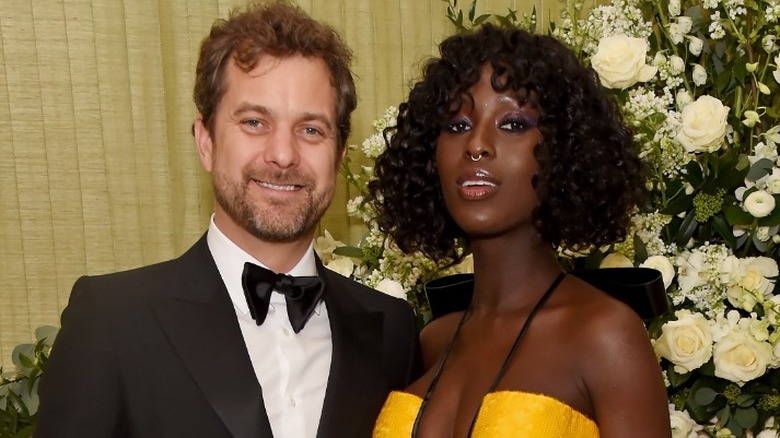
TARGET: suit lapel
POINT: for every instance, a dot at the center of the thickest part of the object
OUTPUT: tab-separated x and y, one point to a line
200	321
353	388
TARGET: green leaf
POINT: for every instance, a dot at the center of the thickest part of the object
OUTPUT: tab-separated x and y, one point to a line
640	249
687	228
676	379
679	204
760	168
704	396
735	215
46	333
721	226
349	251
746	417
745	400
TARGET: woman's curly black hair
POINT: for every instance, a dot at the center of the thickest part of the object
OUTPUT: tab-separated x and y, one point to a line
589	175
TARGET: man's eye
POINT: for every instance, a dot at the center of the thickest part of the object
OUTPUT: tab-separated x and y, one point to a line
253	123
310	130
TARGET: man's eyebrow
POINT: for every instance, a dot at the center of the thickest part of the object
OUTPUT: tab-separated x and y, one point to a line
247	107
309	116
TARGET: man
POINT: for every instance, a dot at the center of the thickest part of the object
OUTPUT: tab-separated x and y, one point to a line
202	346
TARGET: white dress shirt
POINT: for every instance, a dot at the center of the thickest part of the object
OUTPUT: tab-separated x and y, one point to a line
292	368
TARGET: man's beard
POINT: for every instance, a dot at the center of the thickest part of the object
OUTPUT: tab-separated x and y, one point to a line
274	221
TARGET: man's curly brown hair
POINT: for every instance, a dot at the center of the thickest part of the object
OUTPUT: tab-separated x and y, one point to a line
589	176
275	28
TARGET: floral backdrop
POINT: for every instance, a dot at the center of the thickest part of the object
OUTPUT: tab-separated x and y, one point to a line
699	83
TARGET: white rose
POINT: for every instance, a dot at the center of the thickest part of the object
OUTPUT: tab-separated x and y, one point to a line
616	260
699	75
682	424
686	342
768	433
620	61
739	358
341	265
392	288
759	203
703	125
663	265
695	45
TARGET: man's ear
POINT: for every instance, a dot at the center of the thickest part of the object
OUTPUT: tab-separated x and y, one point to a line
203	142
342	154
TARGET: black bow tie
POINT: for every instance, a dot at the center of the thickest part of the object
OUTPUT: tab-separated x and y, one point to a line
301	293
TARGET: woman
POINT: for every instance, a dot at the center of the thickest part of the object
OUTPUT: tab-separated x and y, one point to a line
509	147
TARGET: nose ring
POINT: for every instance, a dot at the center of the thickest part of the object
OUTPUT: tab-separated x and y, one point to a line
473	158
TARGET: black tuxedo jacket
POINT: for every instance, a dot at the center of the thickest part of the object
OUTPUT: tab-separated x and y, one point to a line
157	352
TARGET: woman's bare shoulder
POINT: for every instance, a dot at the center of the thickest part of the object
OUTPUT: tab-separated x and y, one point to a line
436	336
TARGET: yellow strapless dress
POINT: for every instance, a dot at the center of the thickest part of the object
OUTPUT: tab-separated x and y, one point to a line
503	414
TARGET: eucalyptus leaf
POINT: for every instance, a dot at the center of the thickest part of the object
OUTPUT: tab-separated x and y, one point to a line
746	417
704	396
760	168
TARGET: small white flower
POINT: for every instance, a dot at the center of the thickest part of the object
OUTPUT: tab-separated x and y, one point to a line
763	88
675	33
341	265
773	181
759	203
392	288
676	65
662	265
682	424
674	7
683	98
776	73
686	23
751	118
695	45
699	75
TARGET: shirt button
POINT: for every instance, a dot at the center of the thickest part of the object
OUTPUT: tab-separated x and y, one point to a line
292	402
285	331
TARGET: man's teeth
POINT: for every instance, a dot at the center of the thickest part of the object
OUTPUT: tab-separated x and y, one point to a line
478	183
277	186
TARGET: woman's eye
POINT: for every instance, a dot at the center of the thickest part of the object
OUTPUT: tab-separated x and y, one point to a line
458	126
517	125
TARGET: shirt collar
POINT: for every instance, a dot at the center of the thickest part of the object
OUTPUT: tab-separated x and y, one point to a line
230	260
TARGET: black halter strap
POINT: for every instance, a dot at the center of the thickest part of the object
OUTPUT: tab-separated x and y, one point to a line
504	366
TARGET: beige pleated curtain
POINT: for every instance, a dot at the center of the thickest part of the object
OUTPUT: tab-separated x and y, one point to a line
98	170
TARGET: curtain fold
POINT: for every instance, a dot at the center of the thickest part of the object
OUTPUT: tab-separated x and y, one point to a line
98	167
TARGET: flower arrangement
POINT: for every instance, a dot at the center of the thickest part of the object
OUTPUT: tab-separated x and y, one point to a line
19	388
699	83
